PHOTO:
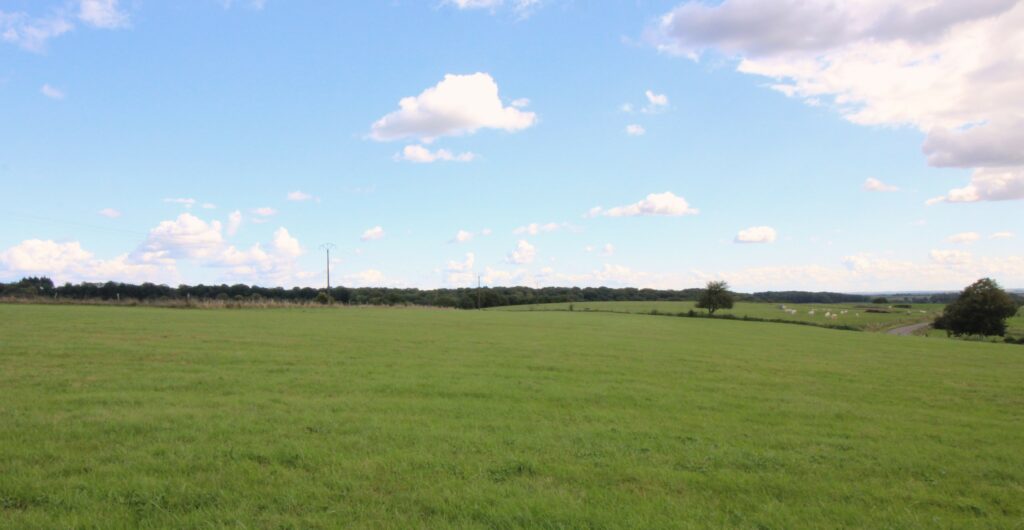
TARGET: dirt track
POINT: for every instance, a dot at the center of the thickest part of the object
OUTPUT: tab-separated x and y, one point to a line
908	330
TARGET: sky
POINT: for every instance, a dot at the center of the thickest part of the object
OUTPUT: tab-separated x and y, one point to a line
856	146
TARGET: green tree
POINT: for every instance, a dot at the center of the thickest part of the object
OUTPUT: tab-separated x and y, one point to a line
981	309
715	296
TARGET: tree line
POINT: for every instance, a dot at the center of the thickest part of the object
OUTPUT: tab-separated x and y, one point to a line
463	298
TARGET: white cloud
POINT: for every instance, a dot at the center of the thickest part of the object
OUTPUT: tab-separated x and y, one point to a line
69	262
608	249
988	184
251	4
458	105
463	236
187	203
474	4
36	255
656	100
462	266
422	155
521	103
952	69
209	206
366	278
634	129
51	92
299	196
110	213
524	253
537	228
102	14
860	272
185	237
522	8
460	273
1002	235
964	238
666	203
756	234
31	33
873	184
234	222
372	234
951	257
265	211
285	244
191	238
993	144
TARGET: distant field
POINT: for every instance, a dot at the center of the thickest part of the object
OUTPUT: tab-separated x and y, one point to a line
854	315
410	418
1015	325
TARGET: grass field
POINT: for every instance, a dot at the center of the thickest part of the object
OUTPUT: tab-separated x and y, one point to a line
853	315
406	418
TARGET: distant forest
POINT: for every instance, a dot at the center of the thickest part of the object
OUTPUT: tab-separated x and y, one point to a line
465	298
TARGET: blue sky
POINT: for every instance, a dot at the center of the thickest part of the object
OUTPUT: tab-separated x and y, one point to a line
169	141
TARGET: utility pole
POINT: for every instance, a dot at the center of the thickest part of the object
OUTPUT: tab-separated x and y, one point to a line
326	247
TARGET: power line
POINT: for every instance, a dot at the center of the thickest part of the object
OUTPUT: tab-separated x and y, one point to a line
74	223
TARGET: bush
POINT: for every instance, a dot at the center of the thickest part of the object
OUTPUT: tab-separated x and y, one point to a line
981	309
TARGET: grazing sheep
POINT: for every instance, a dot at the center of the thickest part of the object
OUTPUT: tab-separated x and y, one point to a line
811	312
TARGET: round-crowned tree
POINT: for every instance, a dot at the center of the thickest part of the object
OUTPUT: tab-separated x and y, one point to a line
981	309
715	296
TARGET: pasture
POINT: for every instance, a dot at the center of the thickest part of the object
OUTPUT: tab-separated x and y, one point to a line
114	417
860	316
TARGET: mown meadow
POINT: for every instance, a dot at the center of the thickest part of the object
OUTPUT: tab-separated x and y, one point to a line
114	417
869	317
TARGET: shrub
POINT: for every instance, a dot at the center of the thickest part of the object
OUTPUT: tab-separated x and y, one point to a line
981	309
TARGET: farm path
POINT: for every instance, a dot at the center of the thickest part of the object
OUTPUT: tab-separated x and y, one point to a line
908	330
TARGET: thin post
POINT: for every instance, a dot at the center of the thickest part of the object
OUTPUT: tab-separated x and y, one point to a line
326	247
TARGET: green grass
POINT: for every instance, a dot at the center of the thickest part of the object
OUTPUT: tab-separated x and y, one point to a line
1015	324
855	315
405	418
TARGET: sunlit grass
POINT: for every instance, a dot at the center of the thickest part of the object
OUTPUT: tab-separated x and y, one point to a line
404	418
